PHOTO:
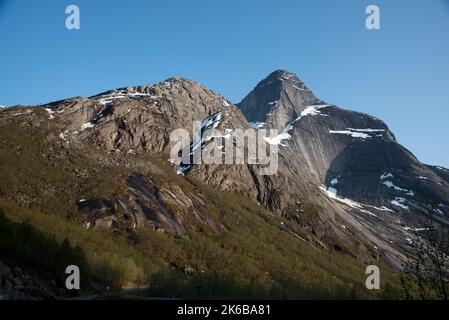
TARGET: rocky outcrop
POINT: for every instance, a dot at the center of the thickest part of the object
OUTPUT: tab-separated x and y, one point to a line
165	208
134	118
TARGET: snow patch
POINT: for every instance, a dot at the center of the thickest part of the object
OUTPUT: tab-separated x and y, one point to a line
386	175
399	201
50	112
110	98
257	125
332	193
308	111
383	208
367	130
87	125
390	184
277	140
120	94
312	110
138	94
414	229
353	134
358	133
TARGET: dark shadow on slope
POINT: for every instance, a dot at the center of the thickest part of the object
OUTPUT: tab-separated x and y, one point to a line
176	284
359	166
24	246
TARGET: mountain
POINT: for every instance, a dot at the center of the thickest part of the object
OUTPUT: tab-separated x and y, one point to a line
354	159
102	166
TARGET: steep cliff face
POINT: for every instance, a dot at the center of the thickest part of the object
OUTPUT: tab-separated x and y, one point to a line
351	153
341	174
277	99
353	158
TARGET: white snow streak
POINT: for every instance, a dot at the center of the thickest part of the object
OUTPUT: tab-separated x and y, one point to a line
386	175
353	134
50	112
399	201
308	111
87	125
257	125
332	193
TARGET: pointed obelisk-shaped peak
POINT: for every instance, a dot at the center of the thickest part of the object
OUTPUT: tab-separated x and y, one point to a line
278	98
285	79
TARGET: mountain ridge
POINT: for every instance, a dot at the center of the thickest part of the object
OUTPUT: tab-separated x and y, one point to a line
329	179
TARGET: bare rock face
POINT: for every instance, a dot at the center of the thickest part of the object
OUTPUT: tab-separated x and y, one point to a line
277	99
164	208
135	118
347	151
353	159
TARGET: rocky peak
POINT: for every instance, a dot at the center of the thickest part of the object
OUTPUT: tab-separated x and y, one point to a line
136	118
277	100
283	78
177	83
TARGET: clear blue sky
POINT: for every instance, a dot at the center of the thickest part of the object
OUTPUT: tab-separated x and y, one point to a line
399	74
